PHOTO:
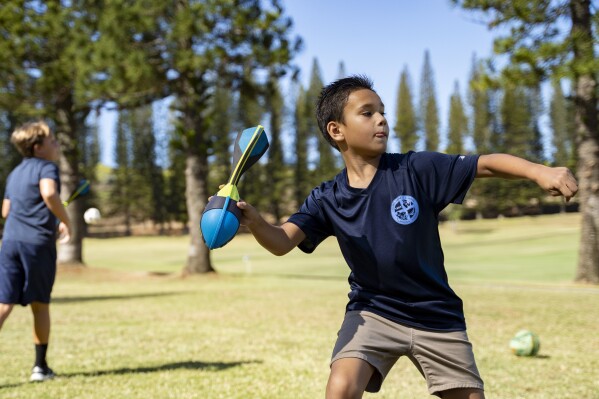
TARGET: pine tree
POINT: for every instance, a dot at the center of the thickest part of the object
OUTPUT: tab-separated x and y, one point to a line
485	134
480	103
429	113
458	123
54	40
220	130
558	38
275	171
561	120
519	136
341	73
175	183
9	156
406	127
250	113
148	181
186	49
325	168
301	173
120	198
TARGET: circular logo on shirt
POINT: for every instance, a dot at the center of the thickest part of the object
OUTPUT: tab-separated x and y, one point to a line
404	209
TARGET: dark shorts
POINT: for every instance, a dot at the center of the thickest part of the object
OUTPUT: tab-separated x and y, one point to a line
27	272
445	359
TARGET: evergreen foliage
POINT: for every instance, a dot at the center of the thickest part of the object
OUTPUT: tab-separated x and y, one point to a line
301	173
276	182
429	112
561	119
556	39
220	131
458	123
250	112
406	127
44	72
221	63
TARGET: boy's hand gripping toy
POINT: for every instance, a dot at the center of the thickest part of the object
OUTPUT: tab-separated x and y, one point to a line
220	219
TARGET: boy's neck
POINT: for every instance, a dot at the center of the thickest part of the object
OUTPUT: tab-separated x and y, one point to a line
361	171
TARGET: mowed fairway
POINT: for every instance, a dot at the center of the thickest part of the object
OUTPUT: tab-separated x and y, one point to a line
129	326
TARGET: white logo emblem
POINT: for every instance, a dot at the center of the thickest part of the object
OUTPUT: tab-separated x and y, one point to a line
404	209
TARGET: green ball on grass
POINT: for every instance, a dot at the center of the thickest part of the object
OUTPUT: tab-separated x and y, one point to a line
525	343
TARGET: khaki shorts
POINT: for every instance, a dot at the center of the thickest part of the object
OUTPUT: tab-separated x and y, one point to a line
445	359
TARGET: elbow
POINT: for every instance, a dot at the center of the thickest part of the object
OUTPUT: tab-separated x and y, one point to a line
279	251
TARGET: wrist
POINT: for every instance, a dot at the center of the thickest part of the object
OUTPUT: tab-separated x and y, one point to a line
254	222
535	171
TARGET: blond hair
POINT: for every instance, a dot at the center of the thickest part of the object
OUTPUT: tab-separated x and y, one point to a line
26	136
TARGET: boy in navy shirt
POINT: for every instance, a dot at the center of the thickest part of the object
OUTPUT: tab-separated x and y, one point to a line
383	209
28	253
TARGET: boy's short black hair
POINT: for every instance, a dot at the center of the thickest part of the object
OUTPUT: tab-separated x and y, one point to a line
332	100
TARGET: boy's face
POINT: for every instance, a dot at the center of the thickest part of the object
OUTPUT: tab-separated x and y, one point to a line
364	130
48	149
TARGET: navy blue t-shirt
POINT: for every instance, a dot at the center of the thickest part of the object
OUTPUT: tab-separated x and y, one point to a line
29	219
388	234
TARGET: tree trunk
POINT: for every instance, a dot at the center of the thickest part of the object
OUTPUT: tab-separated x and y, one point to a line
196	193
588	141
70	253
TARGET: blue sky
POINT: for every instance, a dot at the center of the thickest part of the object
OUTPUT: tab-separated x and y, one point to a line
379	38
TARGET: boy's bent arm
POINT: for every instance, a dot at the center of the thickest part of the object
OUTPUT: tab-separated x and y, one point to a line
556	181
49	192
279	240
5	207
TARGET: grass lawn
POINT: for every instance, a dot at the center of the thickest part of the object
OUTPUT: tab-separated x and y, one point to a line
128	326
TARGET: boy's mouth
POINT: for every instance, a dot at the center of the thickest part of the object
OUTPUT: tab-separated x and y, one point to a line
380	134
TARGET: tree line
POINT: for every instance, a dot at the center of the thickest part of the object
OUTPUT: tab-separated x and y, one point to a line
505	118
221	65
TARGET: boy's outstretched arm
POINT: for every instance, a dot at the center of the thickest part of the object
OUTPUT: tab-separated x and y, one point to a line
277	239
556	181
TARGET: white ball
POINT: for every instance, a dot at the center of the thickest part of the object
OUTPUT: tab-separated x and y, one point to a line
92	215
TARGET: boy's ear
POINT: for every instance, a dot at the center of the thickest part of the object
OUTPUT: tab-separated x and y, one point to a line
334	130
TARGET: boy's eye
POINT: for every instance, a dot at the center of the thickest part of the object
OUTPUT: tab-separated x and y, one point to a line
370	113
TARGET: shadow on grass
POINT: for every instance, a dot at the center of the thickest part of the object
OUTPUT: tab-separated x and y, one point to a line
287	276
190	365
541	357
71	299
7	386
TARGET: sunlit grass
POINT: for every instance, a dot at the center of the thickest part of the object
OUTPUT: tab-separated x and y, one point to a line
264	326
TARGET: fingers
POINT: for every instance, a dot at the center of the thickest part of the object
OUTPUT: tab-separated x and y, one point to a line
569	186
566	184
64	239
65	233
